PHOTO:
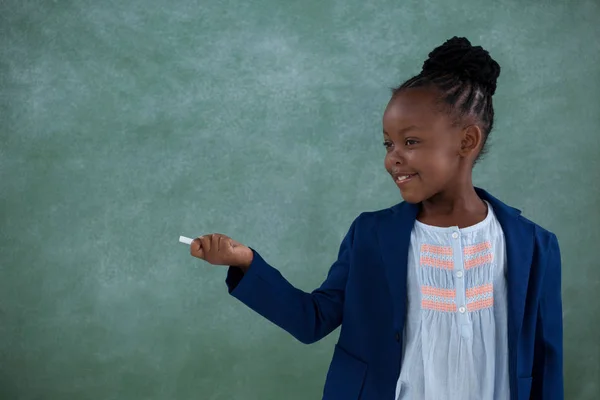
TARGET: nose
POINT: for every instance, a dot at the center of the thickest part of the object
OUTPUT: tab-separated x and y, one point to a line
396	157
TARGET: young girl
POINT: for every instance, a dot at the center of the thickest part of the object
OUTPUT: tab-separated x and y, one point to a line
450	294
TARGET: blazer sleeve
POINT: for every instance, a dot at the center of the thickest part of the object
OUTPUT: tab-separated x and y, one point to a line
548	363
307	316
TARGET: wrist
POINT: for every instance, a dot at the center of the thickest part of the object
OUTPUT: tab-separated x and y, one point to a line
244	266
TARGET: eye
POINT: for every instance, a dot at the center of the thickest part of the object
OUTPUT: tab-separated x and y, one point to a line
387	144
410	142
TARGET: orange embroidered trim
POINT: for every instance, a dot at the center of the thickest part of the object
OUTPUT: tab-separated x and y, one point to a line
478	248
480	304
478	255
480	297
436	306
438	299
436	263
436	250
436	256
480	290
433	291
479	261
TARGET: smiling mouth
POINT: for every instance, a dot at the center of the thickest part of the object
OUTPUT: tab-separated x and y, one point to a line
404	178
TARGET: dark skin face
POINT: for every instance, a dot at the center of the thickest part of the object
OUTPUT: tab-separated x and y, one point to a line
433	157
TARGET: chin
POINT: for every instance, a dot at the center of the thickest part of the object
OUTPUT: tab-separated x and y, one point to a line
412	197
414	191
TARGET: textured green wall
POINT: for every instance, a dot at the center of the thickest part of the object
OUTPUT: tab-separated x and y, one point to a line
126	124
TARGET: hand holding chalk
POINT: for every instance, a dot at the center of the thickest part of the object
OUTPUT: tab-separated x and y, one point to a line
218	249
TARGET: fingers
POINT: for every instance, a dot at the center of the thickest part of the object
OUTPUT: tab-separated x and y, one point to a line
196	248
216	249
218	242
206	242
216	239
224	243
201	246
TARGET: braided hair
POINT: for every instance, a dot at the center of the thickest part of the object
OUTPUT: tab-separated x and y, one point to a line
465	77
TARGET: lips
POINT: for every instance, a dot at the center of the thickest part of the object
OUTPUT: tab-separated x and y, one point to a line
399	176
403	177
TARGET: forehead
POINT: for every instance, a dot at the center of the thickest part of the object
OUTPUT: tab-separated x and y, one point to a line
415	106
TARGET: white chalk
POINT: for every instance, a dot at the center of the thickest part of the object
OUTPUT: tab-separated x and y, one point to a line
185	240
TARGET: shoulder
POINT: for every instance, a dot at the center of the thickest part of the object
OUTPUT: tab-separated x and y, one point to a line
373	217
546	261
370	216
368	228
510	215
546	249
367	223
544	238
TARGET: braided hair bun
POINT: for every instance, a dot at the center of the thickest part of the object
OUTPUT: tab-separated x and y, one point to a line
458	57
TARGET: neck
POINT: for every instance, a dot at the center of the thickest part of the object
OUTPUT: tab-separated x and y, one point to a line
455	203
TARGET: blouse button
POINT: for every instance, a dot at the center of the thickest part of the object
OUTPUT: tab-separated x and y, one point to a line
462	310
459	274
455	235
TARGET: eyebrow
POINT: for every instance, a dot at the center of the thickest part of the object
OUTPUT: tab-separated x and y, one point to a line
404	130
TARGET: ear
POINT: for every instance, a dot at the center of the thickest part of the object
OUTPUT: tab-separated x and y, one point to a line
471	141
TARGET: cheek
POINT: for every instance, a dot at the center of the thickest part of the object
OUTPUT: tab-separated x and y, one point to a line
387	162
444	165
436	162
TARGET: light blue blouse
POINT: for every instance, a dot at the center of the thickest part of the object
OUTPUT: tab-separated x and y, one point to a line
455	336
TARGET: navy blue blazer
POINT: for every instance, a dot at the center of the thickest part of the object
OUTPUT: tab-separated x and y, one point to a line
365	292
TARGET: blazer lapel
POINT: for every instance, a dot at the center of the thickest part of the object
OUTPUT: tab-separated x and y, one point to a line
394	241
519	238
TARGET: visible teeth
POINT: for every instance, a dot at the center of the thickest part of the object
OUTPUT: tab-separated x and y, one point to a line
401	178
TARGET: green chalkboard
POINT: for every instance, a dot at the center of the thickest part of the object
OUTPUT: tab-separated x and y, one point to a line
124	124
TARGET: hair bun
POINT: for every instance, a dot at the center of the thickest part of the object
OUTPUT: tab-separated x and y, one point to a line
457	56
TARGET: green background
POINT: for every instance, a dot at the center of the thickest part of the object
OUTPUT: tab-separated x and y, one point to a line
126	124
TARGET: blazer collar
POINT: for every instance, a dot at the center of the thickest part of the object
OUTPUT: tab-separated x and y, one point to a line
394	239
